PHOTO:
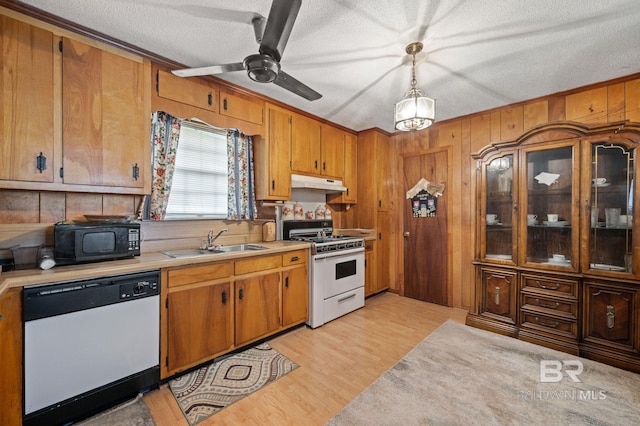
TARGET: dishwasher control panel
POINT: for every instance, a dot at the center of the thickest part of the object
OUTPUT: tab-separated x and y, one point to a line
138	289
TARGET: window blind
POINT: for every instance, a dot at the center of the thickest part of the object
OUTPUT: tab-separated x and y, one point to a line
200	181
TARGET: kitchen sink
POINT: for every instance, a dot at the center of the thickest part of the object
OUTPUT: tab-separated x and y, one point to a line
231	248
236	247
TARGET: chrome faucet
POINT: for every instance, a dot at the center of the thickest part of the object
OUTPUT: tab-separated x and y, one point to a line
211	239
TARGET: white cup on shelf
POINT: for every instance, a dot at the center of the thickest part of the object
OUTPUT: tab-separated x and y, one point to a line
552	217
492	219
531	219
558	257
599	181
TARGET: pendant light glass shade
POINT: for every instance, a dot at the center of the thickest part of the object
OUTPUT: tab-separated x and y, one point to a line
415	111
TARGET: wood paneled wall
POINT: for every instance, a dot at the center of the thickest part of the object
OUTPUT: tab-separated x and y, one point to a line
605	102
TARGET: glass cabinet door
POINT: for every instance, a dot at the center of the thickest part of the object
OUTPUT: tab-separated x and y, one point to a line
498	222
549	219
611	209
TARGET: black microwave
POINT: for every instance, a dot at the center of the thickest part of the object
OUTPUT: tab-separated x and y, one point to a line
94	242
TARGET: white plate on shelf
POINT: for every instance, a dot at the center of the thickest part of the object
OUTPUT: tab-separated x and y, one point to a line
499	256
559	223
566	262
605	267
601	185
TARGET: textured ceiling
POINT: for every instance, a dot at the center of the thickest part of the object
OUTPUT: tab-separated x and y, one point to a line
479	54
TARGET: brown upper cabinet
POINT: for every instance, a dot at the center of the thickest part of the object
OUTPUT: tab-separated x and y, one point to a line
272	155
27	105
188	91
241	107
305	145
105	117
350	178
332	152
97	95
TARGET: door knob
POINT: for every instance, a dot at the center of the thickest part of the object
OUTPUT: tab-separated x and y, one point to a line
406	234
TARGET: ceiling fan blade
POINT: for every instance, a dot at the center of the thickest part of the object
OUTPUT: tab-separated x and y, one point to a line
214	69
285	81
279	25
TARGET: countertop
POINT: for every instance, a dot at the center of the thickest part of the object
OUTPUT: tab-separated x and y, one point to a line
367	234
146	261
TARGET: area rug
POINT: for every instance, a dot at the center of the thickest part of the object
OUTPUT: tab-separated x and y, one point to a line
130	413
208	390
460	375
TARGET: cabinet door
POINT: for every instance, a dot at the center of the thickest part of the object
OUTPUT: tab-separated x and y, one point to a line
200	324
187	91
11	366
549	188
369	268
305	145
26	107
498	295
350	180
244	109
385	256
383	176
257	306
499	217
279	150
295	295
611	315
103	104
332	152
608	239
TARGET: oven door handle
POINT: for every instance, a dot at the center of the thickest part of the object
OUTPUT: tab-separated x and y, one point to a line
338	253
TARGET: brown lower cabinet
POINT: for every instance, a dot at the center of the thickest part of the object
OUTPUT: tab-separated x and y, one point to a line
590	317
214	308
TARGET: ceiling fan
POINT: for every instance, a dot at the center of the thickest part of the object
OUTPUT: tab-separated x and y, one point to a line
264	67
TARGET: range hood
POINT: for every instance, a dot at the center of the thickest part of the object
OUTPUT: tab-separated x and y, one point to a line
310	182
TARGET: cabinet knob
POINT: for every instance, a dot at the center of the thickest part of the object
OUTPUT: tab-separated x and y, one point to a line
406	234
224	297
241	293
286	282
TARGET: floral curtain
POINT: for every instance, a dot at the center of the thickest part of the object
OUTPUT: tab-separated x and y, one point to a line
242	199
165	133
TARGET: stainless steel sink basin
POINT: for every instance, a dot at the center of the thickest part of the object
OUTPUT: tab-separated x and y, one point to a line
237	247
214	250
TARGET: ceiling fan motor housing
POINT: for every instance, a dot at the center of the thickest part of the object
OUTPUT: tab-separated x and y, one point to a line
261	68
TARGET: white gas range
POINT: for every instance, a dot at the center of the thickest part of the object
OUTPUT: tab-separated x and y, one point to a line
337	269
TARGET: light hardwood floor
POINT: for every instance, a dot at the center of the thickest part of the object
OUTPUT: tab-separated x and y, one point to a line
337	361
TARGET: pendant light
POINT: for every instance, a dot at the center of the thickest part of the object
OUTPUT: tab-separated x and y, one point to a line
415	111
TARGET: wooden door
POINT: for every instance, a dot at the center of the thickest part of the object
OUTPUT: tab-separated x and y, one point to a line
200	324
332	152
426	241
279	154
103	102
295	299
26	105
257	306
305	145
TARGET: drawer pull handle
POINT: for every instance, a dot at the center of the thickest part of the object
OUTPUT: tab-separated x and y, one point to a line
611	316
351	296
547	324
286	282
547	305
241	293
295	258
224	297
497	296
539	284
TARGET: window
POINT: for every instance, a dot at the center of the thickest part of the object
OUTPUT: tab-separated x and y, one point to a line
200	180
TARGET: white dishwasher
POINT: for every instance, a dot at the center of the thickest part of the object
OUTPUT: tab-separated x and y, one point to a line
89	345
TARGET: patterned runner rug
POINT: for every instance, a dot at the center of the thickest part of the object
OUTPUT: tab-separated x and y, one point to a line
208	390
